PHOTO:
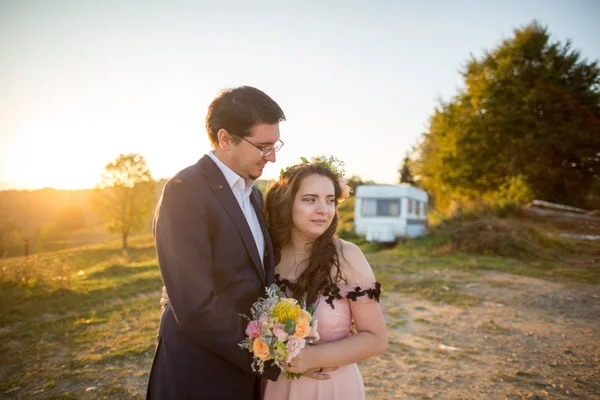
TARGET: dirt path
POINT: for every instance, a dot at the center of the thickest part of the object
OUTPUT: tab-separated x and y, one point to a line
527	339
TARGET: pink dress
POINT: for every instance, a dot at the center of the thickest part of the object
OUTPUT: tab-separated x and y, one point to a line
334	323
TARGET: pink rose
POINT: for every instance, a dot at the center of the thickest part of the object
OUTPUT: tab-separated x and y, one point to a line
346	190
279	332
253	329
263	320
294	345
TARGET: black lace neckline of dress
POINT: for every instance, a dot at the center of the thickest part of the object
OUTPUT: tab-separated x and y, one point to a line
332	291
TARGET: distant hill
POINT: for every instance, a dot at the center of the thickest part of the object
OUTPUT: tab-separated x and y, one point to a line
26	214
5	185
29	210
33	215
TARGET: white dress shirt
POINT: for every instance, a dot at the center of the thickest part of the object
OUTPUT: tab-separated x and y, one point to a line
242	190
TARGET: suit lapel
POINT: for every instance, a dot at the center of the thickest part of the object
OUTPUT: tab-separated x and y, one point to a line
223	192
268	256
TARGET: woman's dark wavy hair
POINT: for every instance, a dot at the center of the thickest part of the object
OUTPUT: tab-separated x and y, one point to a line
323	255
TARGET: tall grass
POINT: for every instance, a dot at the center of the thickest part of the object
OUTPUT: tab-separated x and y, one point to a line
79	323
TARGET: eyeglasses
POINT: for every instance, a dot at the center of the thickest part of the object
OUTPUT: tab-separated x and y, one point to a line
266	150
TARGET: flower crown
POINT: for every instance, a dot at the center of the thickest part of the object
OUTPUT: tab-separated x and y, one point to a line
333	164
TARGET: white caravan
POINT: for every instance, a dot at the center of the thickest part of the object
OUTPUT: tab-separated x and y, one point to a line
384	213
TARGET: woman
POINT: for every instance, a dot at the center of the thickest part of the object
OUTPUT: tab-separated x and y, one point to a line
301	210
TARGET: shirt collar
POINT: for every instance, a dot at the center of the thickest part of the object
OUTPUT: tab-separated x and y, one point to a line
231	177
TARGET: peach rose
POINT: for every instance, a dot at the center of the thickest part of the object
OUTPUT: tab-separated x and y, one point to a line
260	349
306	315
302	328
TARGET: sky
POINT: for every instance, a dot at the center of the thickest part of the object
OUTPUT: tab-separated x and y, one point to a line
84	81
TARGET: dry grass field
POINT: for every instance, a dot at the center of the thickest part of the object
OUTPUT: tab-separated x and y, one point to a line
81	323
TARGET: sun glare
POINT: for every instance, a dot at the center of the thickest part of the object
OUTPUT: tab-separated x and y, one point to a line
46	156
57	174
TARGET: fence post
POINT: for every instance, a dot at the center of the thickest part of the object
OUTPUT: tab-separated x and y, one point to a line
26	249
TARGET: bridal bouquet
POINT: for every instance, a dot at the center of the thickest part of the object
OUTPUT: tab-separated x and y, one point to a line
277	330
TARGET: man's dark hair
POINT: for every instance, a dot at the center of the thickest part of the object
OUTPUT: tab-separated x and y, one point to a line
238	110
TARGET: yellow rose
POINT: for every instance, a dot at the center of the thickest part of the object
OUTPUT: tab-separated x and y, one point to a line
302	328
260	349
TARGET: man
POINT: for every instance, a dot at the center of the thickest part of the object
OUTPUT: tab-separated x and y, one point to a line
215	255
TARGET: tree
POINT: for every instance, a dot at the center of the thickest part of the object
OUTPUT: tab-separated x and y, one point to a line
405	173
355	181
529	113
125	196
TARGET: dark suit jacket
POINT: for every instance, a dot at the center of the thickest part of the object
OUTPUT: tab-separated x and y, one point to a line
212	270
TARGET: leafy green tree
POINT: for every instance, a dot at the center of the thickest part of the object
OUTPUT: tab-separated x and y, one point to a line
529	112
405	172
355	181
125	196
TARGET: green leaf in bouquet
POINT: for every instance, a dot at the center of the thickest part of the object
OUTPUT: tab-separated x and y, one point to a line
293	375
247	318
303	301
280	349
289	326
270	340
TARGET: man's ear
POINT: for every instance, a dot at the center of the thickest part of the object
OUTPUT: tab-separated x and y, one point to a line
225	139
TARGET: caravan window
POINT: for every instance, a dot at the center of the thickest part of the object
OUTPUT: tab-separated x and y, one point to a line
418	208
409	206
381	208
